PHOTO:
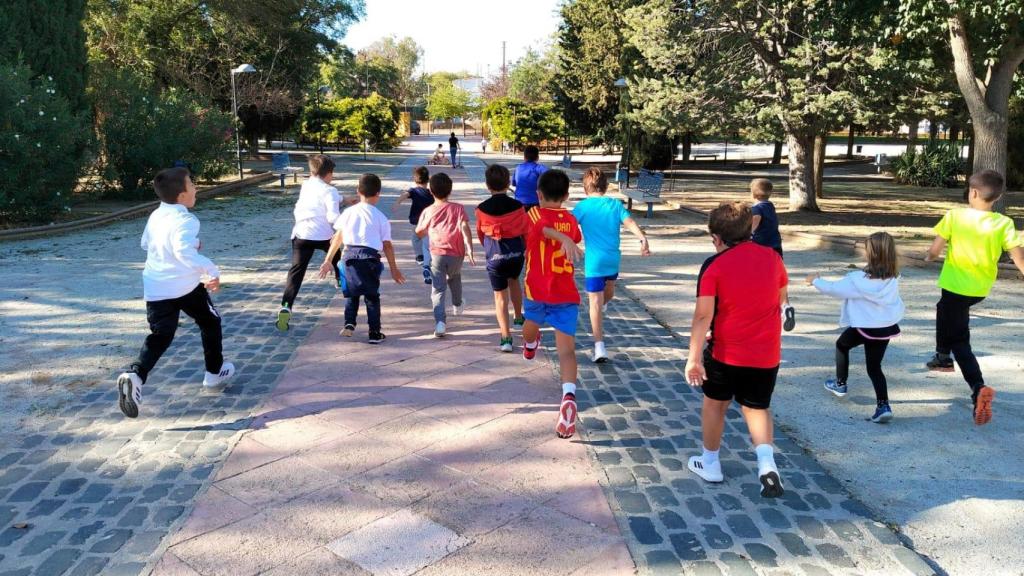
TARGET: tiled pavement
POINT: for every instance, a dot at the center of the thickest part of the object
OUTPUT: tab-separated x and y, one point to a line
422	455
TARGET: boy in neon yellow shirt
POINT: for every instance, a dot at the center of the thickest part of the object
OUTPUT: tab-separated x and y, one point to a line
974	239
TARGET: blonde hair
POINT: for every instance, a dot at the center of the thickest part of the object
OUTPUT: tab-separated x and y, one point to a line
761	188
883	263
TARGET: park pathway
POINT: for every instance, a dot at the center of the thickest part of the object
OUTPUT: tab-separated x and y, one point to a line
421	455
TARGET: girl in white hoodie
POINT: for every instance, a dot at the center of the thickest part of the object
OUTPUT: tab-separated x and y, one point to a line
872	309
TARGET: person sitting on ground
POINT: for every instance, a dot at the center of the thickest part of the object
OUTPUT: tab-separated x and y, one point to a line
739	291
439	158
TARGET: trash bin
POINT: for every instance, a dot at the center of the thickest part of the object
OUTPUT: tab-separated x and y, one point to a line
860	148
621	173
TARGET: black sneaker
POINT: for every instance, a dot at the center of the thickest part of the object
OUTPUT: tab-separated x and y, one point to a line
377	337
940	364
788	318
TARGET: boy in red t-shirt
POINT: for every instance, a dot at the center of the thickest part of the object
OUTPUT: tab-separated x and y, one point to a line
739	291
551	293
451	240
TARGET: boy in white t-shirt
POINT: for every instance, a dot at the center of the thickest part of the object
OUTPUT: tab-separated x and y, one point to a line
366	232
316	210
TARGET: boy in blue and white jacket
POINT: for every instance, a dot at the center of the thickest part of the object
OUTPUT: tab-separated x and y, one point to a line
871	311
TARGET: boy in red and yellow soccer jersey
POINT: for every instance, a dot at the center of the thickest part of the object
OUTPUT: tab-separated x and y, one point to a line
551	294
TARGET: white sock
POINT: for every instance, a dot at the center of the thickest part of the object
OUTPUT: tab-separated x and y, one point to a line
569	388
710	457
765	459
599	346
532	345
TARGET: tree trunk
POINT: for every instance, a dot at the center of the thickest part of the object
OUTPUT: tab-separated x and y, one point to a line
954	132
801	172
849	142
912	136
777	153
687	146
820	144
989	145
933	130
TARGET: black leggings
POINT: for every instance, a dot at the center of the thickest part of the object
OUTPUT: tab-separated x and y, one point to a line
874	351
953	335
302	253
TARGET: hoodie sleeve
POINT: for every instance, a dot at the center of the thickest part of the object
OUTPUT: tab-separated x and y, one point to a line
479	225
844	288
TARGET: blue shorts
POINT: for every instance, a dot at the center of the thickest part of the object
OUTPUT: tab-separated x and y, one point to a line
561	317
596	283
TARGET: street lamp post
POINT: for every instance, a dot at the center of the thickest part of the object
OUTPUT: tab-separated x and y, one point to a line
621	85
319	119
242	69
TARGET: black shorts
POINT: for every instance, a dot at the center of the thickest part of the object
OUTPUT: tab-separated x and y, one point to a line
779	250
499	272
750	387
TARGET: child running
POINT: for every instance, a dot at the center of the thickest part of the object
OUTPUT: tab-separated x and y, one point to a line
526	176
764	230
600	218
739	291
172	282
366	232
551	294
501	226
421	198
447	225
973	238
872	309
315	211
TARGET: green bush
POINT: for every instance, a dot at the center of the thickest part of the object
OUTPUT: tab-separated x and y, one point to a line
143	130
936	165
519	123
352	120
41	147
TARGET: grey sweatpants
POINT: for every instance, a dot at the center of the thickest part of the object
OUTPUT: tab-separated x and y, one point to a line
446	274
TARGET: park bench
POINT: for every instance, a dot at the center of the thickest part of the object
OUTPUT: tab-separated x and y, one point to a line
282	167
711	155
648	190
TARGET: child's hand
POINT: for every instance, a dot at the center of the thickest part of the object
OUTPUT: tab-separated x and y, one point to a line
811	278
213	284
326	269
398	277
573	252
472	259
645	248
928	256
695	374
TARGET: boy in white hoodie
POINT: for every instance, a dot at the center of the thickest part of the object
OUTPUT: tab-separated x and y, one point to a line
872	309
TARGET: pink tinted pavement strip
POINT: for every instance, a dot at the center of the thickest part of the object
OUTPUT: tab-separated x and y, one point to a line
420	455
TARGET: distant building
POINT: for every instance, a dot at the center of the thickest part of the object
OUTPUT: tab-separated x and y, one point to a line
471	85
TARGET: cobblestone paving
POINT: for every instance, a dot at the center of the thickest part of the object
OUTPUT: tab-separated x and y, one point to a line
86	491
643	422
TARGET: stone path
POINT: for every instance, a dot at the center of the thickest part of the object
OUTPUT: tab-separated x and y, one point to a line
421	455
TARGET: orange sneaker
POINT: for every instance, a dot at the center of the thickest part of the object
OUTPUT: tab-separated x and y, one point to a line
567	417
983	406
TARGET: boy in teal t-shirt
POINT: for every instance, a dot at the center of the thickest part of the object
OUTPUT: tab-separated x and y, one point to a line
974	239
600	218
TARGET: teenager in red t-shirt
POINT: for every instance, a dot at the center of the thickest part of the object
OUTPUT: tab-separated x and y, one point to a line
739	292
551	293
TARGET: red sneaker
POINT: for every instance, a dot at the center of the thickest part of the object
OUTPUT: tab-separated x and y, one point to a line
567	417
983	406
528	352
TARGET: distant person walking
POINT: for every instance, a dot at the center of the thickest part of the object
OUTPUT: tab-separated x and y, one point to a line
453	147
524	179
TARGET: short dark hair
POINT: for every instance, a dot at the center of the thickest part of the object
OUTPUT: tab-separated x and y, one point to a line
531	153
420	175
497	177
594	180
169	183
440	185
320	165
988	183
761	188
553	186
731	222
369	185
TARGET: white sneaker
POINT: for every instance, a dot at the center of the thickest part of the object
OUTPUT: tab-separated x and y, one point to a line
129	393
771	484
439	330
216	381
600	354
712	473
457	310
604	308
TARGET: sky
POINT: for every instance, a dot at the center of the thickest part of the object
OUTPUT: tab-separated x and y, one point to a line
460	35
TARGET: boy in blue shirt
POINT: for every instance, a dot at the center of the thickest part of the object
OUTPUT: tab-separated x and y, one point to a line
600	218
421	198
764	230
526	176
